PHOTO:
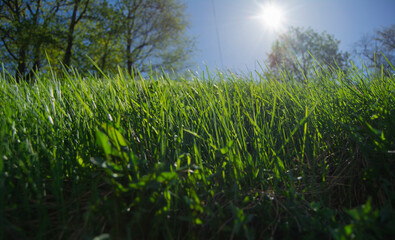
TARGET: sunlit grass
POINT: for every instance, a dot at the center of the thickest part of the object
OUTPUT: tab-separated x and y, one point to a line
219	156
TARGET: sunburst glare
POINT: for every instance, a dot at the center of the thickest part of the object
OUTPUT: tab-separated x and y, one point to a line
271	16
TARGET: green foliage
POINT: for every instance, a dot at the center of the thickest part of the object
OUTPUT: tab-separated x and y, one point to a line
134	34
26	29
212	157
365	222
292	53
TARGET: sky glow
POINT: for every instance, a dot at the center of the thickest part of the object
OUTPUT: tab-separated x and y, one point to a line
246	34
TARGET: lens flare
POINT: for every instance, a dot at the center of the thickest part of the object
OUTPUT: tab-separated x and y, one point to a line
271	16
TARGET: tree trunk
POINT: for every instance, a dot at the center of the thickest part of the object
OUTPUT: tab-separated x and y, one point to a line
21	69
129	61
70	35
103	59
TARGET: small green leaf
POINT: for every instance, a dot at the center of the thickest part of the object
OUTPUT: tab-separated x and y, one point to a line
115	136
103	142
224	150
166	176
348	229
80	160
198	221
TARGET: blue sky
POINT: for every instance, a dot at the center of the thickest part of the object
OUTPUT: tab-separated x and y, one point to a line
244	40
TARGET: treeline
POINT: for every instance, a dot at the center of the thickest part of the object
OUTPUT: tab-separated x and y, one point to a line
299	53
135	34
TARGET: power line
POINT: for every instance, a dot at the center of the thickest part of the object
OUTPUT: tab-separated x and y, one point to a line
216	29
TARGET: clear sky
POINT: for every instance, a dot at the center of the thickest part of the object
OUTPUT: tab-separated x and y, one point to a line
244	39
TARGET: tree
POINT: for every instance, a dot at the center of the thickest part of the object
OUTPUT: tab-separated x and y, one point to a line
78	11
101	41
372	48
296	51
25	26
136	34
151	33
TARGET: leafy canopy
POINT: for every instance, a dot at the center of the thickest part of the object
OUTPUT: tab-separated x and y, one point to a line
296	51
132	34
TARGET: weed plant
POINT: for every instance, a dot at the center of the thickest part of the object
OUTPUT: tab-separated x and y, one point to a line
212	157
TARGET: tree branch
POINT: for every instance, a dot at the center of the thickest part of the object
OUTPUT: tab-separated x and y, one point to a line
8	50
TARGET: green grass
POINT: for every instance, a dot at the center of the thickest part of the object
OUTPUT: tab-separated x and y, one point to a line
222	157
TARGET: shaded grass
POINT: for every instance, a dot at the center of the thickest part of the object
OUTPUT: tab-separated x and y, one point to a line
212	157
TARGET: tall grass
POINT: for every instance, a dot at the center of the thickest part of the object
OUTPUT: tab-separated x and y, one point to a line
224	156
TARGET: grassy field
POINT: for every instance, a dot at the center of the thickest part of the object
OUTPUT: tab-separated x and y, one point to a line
213	157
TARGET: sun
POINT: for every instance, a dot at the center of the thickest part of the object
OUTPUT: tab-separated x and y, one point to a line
271	16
